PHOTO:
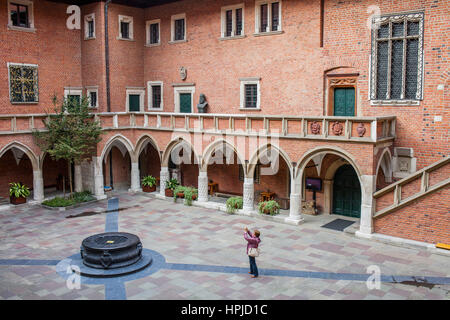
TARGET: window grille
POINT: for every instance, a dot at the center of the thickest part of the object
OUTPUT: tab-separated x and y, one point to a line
23	83
396	71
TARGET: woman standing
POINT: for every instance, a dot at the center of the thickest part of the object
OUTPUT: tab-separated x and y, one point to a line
252	242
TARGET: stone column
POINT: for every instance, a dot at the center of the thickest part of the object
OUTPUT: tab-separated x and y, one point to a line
99	190
135	178
203	186
248	194
38	186
367	205
163	177
328	196
78	178
295	207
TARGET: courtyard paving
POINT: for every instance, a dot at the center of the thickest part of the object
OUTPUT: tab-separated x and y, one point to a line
201	255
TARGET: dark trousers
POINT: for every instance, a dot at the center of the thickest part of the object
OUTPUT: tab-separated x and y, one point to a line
253	267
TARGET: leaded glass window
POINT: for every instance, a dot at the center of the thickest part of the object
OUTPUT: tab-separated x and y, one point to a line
396	71
156	96
93	99
179	29
239	21
251	95
19	15
229	23
154	33
275	16
268	16
125	30
90	29
264	18
23	83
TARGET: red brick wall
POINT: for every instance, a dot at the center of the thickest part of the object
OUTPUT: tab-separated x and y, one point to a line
347	43
149	162
427	219
11	172
288	64
55	49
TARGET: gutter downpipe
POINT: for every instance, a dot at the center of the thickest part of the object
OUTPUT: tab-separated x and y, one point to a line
108	95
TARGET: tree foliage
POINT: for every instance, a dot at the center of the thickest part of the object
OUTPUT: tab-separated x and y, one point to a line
71	132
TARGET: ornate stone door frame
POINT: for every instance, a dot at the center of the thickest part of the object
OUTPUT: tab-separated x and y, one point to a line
334	81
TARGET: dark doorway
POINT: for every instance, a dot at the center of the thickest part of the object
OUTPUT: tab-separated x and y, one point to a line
346	192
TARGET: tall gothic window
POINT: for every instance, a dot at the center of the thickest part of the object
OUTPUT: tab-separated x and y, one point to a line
397	67
23	83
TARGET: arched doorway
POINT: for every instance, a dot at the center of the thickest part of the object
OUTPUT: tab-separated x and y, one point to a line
346	192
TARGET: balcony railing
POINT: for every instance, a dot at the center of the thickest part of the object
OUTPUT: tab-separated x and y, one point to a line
357	129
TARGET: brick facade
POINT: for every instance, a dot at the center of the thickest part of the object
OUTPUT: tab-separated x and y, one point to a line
294	71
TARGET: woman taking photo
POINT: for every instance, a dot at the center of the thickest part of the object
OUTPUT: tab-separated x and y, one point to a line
252	250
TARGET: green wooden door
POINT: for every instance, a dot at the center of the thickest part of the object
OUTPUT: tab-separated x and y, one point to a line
185	103
344	102
346	192
134	102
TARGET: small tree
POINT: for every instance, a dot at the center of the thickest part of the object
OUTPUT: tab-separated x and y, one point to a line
71	133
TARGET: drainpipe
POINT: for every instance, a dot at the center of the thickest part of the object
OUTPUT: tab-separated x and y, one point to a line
108	95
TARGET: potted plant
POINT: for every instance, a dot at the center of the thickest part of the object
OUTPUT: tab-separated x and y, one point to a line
179	192
18	193
170	187
190	193
149	184
233	204
270	207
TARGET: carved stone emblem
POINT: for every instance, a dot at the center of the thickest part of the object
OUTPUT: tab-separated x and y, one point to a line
183	73
337	128
404	165
361	130
315	127
342	81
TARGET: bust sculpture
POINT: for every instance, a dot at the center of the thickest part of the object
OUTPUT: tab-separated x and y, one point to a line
202	104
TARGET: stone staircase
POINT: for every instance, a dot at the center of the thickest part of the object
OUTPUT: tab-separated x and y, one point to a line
4	201
417	185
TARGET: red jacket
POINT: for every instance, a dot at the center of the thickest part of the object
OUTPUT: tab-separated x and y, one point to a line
252	242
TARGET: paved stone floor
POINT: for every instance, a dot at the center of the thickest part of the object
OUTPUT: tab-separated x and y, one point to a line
200	254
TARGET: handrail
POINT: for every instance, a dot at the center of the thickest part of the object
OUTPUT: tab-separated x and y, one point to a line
413	176
425	187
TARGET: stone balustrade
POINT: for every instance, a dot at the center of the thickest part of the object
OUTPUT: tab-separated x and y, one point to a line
355	129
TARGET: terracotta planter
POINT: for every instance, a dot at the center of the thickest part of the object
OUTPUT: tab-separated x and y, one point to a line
180	195
17	201
169	192
148	188
194	196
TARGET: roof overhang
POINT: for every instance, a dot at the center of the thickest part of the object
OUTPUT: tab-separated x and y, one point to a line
131	3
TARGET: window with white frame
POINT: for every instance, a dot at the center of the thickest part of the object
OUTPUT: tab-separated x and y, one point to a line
89	26
125	28
20	15
178	27
73	95
92	96
397	59
268	16
250	93
232	18
155	95
153	32
135	99
23	83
